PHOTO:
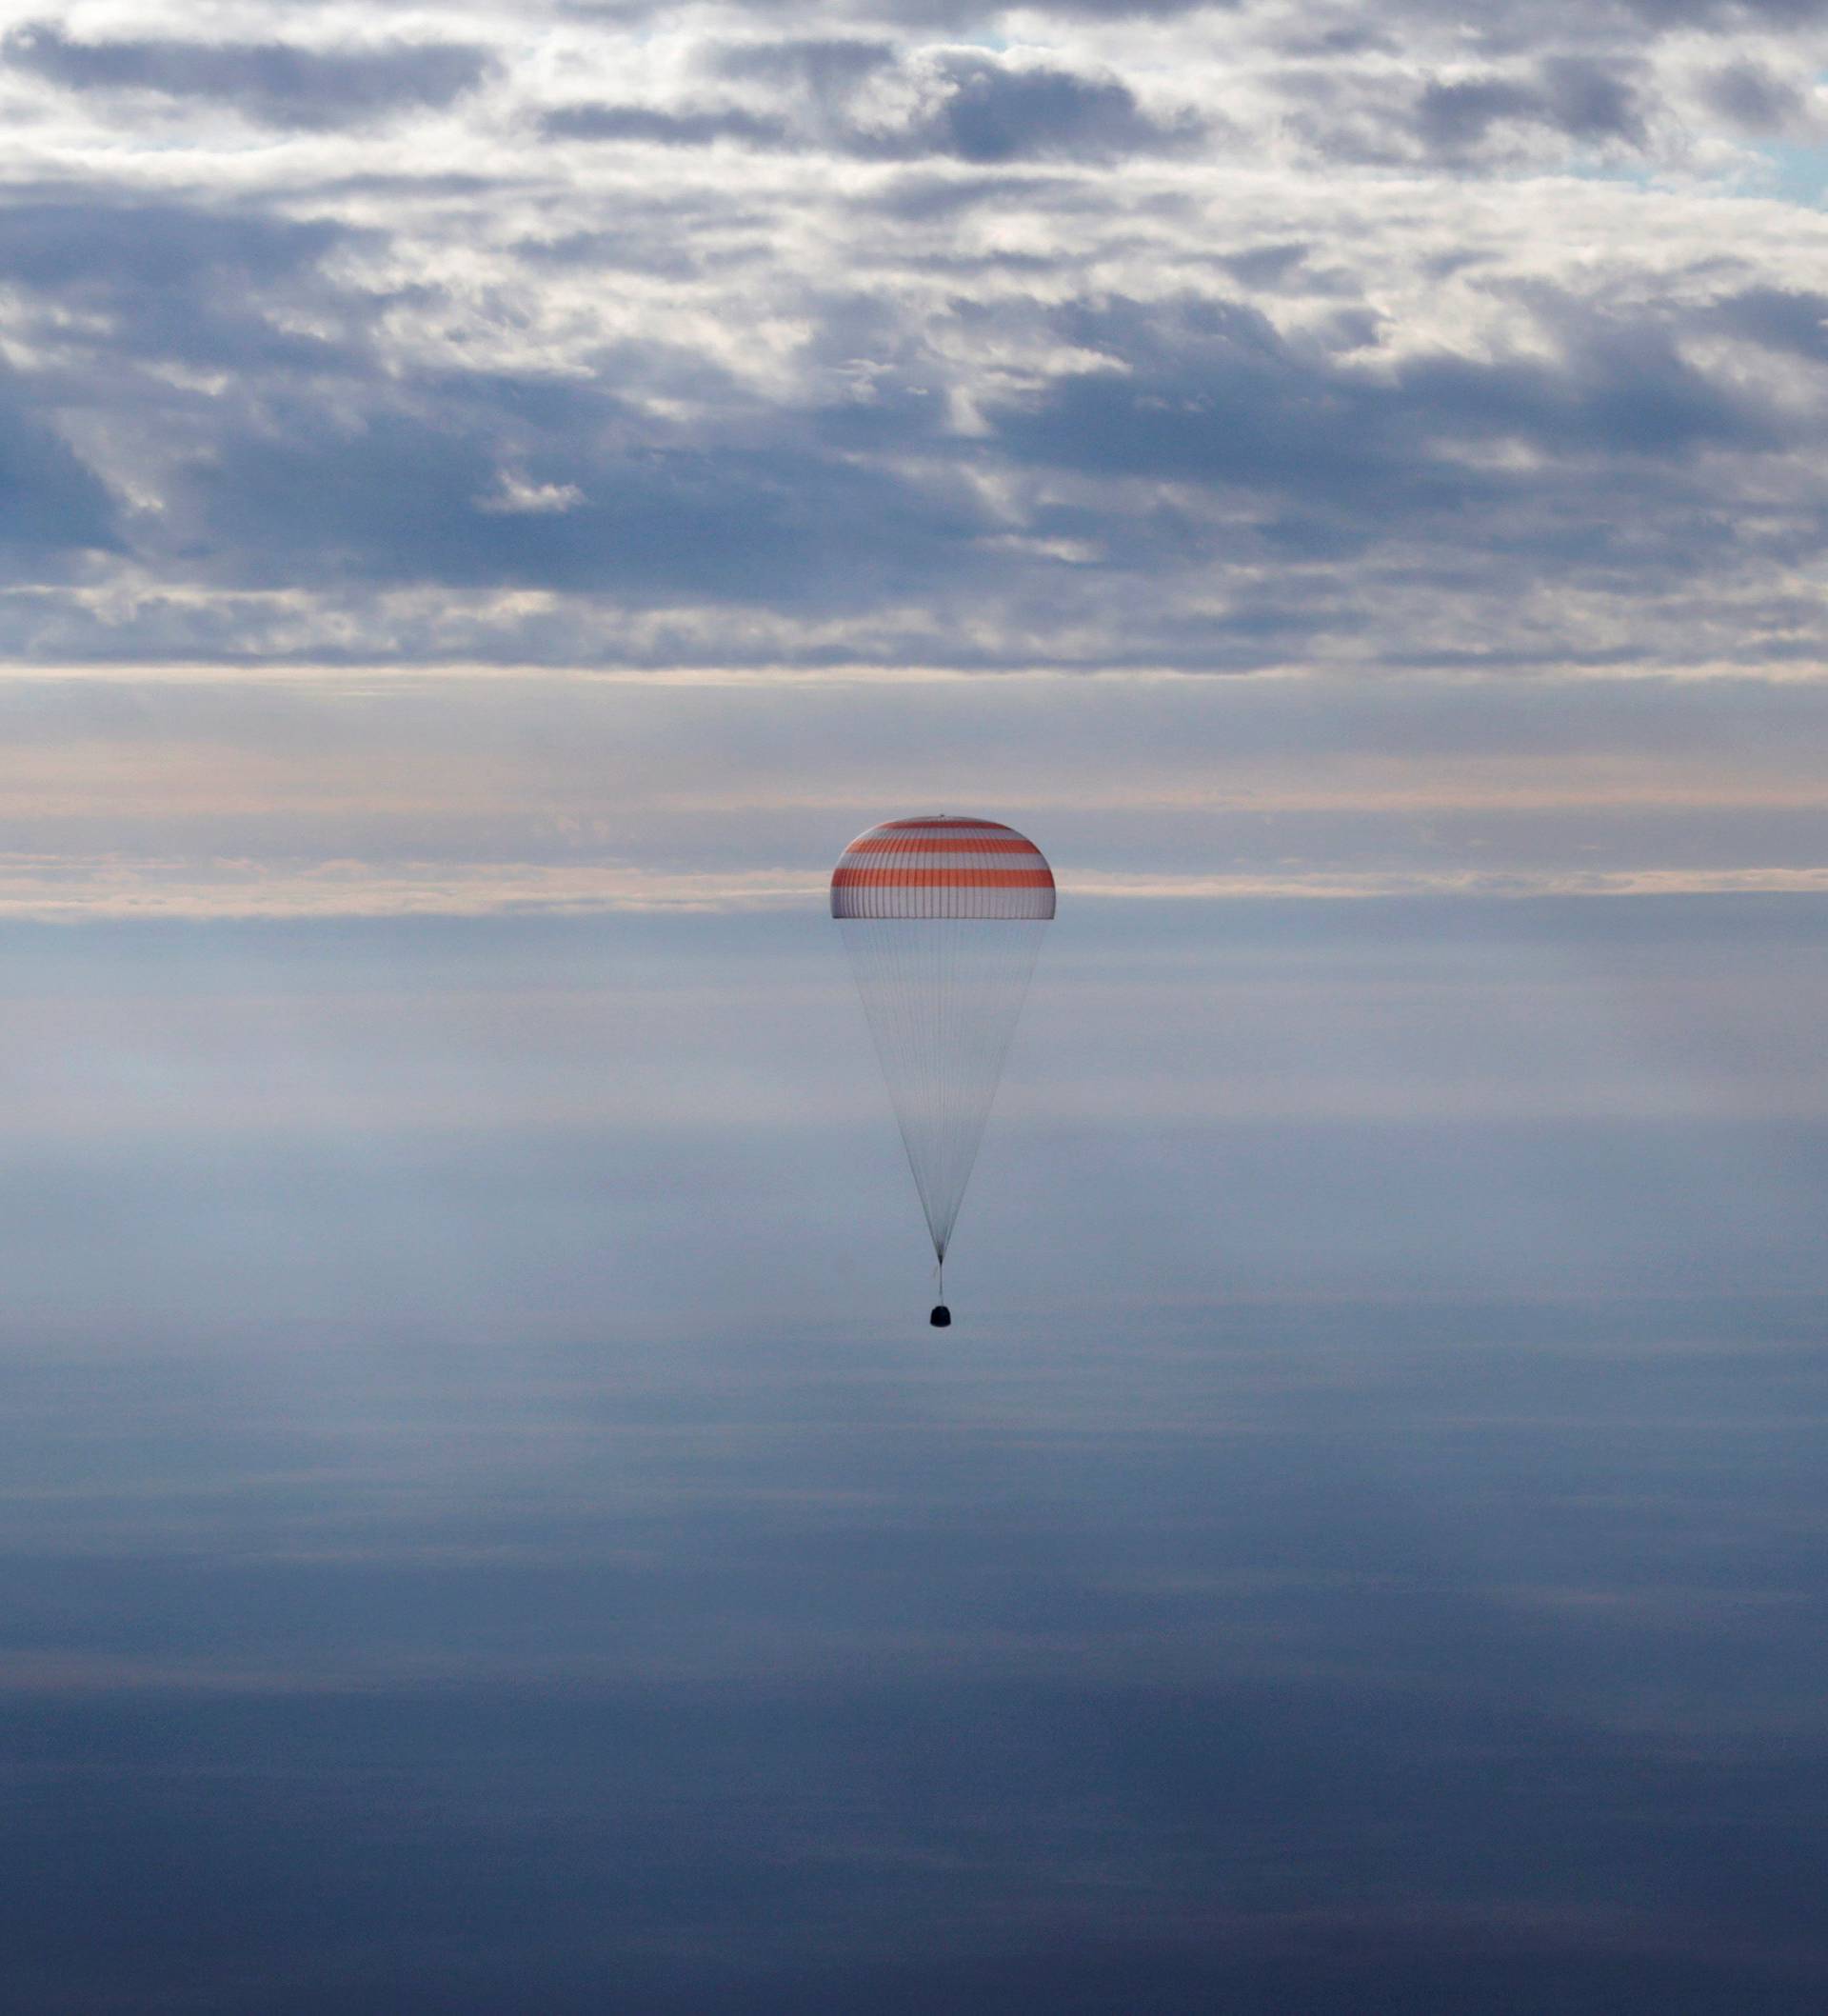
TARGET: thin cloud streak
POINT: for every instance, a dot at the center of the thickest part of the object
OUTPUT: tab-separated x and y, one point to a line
67	890
374	794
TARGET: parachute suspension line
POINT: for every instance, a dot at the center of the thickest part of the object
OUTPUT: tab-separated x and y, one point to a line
942	996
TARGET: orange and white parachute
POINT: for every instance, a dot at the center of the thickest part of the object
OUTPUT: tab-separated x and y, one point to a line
942	918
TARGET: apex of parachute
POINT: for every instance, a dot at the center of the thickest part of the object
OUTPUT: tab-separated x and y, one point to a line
944	865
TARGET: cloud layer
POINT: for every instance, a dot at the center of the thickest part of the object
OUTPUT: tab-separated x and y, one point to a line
191	795
1222	340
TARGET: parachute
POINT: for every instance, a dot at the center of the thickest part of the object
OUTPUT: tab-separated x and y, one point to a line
942	919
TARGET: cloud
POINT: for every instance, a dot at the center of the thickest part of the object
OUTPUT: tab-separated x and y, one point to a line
665	128
51	501
1752	98
415	492
1727	16
989	111
1570	22
1779	319
831	68
1208	392
854	98
1586	101
137	282
271	83
706	341
364	792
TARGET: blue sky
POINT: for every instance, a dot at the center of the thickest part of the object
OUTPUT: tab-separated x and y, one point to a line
491	501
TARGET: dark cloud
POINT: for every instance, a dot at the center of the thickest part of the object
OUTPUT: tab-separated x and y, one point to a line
1583	100
970	103
995	111
537	485
1592	101
1549	24
1752	98
271	83
151	280
1451	116
1208	392
963	104
101	240
1616	389
865	495
1780	320
1726	15
1262	265
50	498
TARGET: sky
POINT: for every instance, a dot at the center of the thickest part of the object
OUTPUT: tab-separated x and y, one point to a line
491	501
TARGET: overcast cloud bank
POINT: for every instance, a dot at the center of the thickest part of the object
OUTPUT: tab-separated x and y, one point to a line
1219	339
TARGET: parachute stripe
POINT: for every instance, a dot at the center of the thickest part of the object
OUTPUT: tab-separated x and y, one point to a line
942	878
957	864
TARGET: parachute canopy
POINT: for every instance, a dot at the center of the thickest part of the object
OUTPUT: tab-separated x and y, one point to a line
944	868
942	918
